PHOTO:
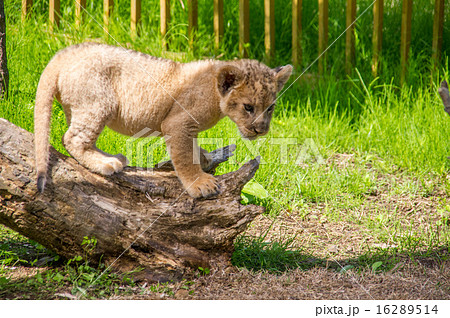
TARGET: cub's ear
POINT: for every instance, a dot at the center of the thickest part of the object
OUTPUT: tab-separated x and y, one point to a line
282	74
228	77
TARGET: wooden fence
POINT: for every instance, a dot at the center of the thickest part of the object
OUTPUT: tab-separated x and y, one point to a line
269	25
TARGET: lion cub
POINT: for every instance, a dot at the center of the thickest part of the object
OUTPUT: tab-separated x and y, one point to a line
100	85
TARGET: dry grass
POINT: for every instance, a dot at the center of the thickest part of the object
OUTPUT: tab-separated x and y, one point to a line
410	280
418	281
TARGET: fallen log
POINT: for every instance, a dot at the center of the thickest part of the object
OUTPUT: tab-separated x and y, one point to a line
140	218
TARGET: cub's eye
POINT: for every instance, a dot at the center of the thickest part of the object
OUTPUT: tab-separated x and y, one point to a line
270	109
248	108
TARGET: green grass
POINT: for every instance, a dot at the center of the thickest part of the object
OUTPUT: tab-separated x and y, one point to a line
53	275
360	151
276	257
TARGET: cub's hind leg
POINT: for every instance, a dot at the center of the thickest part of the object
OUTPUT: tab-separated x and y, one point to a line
79	140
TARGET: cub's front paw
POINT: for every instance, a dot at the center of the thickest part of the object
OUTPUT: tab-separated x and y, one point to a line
108	165
205	186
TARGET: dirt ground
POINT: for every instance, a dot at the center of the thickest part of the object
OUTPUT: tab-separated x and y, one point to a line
333	240
421	281
422	278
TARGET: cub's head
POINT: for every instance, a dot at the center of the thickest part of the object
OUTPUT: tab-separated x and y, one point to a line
248	91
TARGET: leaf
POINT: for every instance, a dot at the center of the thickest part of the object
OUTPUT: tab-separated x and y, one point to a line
39	278
75	259
346	268
255	189
85	240
88	277
81	290
58	277
204	271
376	265
247	198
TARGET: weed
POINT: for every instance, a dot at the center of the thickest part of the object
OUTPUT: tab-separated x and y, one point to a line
204	270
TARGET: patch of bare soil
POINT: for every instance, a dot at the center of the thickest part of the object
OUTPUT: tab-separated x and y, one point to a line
348	235
409	281
338	243
325	239
22	272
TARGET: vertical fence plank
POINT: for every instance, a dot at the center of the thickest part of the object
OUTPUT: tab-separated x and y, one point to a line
79	7
26	8
165	20
350	36
54	13
323	34
135	17
377	38
297	32
438	28
192	19
244	26
218	22
406	37
269	28
108	6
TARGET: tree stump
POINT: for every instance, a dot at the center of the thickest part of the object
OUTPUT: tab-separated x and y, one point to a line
140	218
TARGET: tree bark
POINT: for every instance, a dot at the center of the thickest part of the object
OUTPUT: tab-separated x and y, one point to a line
143	216
4	74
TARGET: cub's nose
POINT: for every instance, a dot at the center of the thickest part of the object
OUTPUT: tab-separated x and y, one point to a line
259	130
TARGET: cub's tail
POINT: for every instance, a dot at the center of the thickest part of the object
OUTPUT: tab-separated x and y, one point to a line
45	94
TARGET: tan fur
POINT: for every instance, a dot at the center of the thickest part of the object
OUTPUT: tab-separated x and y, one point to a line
100	85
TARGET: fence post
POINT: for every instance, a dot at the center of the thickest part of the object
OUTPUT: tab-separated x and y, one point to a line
269	28
297	32
135	17
79	7
165	20
406	37
377	38
54	13
108	6
350	36
26	8
218	22
438	28
192	20
244	26
323	34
